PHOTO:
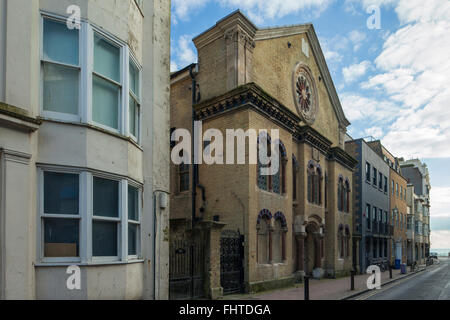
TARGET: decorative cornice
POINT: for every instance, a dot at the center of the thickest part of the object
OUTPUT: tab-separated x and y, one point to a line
237	18
252	96
339	155
248	96
309	135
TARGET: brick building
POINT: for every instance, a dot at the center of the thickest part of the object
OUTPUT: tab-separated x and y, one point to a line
233	229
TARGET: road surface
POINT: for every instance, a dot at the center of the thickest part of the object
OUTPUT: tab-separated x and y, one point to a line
431	284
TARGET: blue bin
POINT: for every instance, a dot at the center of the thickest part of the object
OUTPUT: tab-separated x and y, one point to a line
397	264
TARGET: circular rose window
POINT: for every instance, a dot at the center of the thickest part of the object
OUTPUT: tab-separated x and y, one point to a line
305	94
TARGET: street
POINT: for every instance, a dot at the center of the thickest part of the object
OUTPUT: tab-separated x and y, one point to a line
431	284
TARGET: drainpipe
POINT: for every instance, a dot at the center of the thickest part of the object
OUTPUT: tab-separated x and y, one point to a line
194	166
195	183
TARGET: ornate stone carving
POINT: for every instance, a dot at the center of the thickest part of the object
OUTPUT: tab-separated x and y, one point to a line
305	93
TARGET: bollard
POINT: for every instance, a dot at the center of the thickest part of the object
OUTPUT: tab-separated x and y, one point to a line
390	271
352	279
306	278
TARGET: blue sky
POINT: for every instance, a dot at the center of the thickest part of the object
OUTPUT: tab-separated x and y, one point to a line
393	82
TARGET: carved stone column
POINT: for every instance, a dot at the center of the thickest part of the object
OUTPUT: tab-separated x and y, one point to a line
318	255
270	244
318	271
300	240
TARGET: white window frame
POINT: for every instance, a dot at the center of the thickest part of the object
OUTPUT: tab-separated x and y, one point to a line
60	115
86	72
122	85
118	220
42	215
133	60
138	223
86	218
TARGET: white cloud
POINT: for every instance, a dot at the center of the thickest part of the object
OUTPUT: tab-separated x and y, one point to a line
440	198
440	239
414	73
183	52
375	132
173	66
257	10
360	108
260	10
355	71
419	11
181	9
367	3
357	38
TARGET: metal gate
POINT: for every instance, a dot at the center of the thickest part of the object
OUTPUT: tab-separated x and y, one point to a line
231	256
187	258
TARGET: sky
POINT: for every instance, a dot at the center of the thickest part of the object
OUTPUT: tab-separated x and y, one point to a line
393	81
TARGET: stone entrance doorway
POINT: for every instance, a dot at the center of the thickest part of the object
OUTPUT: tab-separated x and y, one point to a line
309	252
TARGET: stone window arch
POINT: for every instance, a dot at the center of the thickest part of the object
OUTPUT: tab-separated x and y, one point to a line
279	178
318	185
264	182
347	241
295	168
315	178
279	241
340	238
347	196
341	192
263	244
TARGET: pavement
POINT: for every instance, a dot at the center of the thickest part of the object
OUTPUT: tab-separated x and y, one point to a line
332	289
434	284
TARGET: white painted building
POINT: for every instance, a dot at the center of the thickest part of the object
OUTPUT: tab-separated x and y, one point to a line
84	148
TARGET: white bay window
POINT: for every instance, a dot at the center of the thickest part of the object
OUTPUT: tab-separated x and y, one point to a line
88	218
89	76
134	101
60	70
106	83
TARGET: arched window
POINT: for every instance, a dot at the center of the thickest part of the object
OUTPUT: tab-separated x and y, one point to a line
279	240
311	173
264	181
263	237
341	192
314	184
277	182
341	241
318	184
295	167
347	196
347	241
279	178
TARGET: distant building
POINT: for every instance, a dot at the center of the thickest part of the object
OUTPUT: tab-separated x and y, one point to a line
372	228
397	204
418	176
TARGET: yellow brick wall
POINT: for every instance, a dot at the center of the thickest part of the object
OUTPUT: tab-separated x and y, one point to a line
273	68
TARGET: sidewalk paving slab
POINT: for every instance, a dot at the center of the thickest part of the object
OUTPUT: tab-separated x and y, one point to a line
326	289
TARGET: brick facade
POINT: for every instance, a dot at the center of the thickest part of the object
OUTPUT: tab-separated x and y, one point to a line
245	78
